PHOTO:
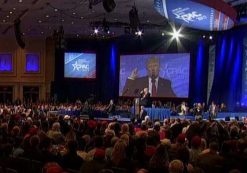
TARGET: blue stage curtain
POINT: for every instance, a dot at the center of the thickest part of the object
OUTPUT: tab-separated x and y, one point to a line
228	68
198	74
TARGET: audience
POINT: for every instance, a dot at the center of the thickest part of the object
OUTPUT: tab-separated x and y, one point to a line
64	143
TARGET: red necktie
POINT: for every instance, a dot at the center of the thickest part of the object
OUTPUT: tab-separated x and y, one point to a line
154	90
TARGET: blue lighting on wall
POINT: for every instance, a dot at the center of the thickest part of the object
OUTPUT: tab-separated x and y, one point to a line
230	55
222	54
6	63
198	73
113	62
32	63
235	76
228	70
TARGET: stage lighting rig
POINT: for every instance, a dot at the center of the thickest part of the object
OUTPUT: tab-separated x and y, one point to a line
134	19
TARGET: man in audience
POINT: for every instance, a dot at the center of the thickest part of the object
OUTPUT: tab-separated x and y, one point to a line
210	161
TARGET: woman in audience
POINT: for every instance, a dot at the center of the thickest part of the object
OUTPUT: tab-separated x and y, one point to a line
119	159
160	160
108	151
71	160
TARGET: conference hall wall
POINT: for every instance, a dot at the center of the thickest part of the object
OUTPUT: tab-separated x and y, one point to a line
26	74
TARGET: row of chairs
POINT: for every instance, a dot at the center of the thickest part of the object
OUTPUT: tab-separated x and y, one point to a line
24	165
21	165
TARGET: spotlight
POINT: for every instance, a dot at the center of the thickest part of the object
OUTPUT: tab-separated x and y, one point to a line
139	33
176	34
204	36
163	34
210	37
96	31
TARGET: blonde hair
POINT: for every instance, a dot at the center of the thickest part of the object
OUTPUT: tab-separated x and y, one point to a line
153	60
176	166
125	137
56	126
125	128
119	152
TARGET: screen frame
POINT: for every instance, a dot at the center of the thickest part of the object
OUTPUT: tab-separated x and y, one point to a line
80	78
156	53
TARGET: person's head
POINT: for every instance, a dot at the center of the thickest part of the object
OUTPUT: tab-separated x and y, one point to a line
176	166
145	90
72	146
153	67
52	167
142	171
213	146
34	141
125	128
56	126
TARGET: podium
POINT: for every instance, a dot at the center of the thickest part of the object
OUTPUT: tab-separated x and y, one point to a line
137	106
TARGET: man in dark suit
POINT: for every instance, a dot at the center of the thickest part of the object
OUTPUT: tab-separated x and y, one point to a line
143	114
145	99
157	86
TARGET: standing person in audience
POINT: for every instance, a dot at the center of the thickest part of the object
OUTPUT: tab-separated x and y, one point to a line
157	86
183	109
223	107
110	109
213	110
143	114
198	110
145	99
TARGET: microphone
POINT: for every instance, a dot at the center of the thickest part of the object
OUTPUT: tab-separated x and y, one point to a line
136	91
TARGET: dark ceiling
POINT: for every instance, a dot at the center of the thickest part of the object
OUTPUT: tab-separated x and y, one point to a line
40	18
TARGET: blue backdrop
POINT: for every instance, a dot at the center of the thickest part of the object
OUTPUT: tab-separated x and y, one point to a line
228	68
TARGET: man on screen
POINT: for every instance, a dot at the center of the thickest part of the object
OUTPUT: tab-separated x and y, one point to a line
157	86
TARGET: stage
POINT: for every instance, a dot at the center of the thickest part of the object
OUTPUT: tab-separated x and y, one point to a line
153	113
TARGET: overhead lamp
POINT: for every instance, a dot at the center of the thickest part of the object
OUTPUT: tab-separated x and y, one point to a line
96	31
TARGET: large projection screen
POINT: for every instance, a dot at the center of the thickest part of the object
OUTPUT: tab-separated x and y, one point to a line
172	71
